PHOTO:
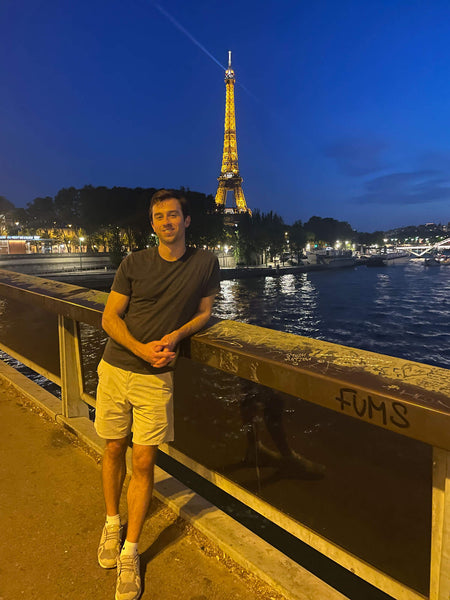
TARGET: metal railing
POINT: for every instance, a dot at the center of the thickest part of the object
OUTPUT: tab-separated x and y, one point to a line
407	398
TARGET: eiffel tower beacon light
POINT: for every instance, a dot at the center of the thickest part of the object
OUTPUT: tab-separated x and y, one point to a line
230	179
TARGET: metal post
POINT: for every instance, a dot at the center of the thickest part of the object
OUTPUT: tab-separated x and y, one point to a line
80	241
70	364
440	528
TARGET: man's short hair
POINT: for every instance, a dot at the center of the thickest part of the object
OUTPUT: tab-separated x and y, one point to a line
162	195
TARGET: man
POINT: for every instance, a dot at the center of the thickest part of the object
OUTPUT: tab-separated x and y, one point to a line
159	296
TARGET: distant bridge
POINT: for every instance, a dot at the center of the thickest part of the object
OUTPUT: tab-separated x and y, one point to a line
421	250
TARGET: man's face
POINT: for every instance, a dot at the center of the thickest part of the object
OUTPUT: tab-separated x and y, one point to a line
168	221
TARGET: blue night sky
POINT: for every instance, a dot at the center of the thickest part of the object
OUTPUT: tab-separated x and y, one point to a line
342	107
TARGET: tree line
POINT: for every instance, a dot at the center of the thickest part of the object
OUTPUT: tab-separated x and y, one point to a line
116	220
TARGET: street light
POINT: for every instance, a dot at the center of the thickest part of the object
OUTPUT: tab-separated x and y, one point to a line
80	240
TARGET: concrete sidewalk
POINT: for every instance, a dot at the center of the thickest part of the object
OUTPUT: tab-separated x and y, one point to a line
52	514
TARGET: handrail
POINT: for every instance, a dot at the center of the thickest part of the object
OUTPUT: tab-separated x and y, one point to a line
408	398
80	304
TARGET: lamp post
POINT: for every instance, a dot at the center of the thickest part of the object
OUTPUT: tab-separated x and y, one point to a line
80	240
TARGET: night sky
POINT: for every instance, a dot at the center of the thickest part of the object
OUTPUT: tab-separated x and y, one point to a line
342	107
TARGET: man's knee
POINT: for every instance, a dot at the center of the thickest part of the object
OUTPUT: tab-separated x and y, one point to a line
116	449
144	458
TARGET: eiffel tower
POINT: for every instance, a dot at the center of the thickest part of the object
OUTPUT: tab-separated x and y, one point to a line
229	179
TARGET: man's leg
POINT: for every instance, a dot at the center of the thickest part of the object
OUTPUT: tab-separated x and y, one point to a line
113	416
151	398
113	473
140	489
139	495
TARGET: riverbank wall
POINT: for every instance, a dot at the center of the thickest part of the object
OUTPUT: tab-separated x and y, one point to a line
95	270
102	279
41	264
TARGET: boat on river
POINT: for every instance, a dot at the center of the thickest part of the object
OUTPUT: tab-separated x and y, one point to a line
388	259
432	261
330	258
437	260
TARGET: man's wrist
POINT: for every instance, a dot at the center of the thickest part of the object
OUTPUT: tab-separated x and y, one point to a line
138	349
176	337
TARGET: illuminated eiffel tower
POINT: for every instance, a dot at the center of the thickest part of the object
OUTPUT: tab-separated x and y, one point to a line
229	179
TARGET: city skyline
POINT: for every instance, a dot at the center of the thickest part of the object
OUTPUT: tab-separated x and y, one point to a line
341	109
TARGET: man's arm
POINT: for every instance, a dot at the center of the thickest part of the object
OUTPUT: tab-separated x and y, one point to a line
114	325
199	320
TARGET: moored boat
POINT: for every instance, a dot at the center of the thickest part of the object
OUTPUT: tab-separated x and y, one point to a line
388	259
330	258
432	261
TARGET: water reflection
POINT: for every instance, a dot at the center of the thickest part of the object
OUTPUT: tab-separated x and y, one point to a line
92	345
382	289
309	320
288	284
260	409
42	381
228	298
287	303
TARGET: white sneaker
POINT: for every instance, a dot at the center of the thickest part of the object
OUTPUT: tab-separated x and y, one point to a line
109	547
128	577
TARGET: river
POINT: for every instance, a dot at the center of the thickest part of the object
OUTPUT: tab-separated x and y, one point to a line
400	311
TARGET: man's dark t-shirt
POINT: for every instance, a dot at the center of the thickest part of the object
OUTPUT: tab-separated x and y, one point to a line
163	295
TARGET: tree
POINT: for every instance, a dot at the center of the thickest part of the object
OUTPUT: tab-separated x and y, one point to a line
297	238
70	236
273	233
67	207
41	212
136	221
244	245
260	234
371	239
329	231
116	246
207	226
6	206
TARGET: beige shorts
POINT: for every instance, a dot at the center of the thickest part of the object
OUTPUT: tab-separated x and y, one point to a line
133	402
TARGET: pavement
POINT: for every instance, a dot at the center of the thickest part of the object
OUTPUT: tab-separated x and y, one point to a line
52	514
